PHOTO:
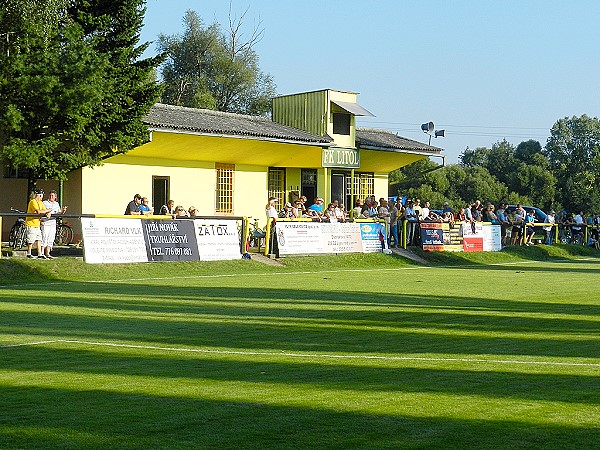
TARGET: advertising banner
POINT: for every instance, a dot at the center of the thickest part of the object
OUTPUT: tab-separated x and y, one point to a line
170	240
218	239
432	236
296	238
341	238
372	236
472	237
113	241
492	238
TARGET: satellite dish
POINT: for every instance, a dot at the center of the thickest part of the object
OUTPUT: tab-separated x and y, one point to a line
427	127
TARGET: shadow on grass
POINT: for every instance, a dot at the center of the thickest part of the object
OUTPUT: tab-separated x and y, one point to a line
55	418
306	320
544	253
20	270
343	376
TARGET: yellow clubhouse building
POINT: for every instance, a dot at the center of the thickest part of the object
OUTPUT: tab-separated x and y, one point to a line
229	164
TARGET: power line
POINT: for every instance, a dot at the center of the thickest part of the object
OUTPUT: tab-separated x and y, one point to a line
418	125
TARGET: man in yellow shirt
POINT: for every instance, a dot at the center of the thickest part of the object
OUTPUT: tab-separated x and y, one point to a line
34	233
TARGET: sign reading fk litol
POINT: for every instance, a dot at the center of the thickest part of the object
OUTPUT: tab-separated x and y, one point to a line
341	157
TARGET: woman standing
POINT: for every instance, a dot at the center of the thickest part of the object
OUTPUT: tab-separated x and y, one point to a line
272	215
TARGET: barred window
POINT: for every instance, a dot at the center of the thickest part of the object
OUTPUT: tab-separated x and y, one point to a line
363	185
277	184
224	191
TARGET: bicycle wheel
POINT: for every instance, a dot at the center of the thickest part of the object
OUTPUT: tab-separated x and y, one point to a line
12	237
21	237
64	235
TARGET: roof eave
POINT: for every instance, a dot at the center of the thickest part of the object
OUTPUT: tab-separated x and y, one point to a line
240	136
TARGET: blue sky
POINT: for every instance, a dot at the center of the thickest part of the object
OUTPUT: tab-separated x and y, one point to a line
480	70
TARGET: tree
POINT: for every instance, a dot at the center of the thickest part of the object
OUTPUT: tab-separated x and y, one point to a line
207	68
573	150
73	89
474	158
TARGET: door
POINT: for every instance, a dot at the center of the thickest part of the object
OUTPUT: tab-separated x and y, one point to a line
160	192
308	186
338	187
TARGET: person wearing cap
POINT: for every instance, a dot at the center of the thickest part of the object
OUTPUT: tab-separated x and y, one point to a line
316	209
133	207
504	223
297	208
287	212
550	220
529	228
192	211
34	232
180	212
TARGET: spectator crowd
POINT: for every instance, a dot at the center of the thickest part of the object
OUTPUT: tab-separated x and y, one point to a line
518	226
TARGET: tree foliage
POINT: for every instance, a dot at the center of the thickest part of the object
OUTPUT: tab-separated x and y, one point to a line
502	173
208	68
573	152
73	89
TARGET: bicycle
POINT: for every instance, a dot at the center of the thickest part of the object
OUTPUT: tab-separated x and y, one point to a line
569	236
257	236
18	232
64	232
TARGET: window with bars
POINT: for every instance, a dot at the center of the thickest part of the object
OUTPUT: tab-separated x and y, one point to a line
224	191
363	185
277	184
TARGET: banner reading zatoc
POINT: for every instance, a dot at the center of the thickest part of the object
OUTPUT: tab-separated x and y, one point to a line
217	239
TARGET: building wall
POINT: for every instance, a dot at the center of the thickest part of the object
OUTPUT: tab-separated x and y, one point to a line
380	184
13	193
305	111
346	141
109	188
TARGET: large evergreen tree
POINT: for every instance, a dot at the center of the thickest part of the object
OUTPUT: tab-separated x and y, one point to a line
207	68
73	89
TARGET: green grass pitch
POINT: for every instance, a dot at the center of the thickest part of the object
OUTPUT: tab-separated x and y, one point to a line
362	351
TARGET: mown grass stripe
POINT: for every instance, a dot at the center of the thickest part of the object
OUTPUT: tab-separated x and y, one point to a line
305	355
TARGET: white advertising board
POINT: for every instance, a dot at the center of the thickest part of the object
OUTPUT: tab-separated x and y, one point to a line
321	237
113	241
492	238
217	239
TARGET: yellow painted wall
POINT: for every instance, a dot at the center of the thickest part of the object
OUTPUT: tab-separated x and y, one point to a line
250	193
13	193
380	185
293	179
109	188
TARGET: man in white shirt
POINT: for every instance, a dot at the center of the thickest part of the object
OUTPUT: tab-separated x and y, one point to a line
425	212
49	223
548	230
578	227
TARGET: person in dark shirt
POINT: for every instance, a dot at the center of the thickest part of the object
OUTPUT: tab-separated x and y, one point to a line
133	207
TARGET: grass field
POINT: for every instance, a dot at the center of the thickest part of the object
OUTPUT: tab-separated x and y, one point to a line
362	351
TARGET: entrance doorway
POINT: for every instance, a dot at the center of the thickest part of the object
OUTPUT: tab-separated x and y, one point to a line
160	192
339	191
308	185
